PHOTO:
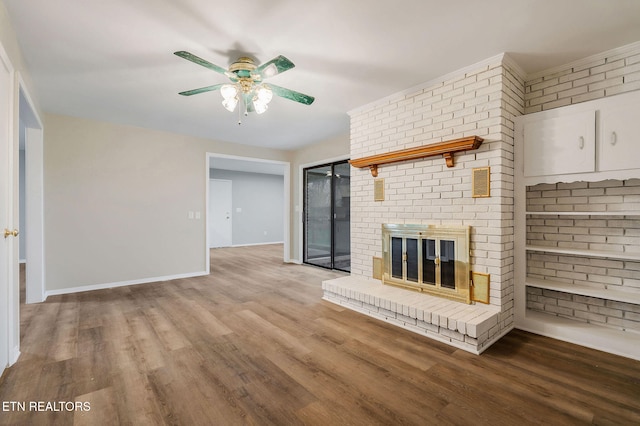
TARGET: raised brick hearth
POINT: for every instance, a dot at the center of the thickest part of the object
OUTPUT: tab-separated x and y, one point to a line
470	327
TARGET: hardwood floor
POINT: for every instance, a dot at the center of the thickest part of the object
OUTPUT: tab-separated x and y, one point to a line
253	343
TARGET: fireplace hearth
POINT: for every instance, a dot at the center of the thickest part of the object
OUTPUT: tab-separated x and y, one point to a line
432	259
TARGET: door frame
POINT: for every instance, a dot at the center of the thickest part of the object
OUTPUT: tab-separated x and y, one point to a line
300	210
34	196
287	199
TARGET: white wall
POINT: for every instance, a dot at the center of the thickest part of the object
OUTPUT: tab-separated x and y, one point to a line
117	200
260	197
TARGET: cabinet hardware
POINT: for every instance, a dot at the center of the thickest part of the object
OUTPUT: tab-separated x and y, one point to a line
581	144
614	138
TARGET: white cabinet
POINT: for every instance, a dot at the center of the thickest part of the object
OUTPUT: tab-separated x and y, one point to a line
619	138
559	144
591	141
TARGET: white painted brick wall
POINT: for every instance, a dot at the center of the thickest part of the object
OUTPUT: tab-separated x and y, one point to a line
611	73
593	310
613	233
481	102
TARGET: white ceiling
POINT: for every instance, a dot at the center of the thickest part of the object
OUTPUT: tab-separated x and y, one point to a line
113	60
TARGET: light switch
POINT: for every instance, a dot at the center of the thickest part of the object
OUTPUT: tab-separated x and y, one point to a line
238	209
197	215
191	215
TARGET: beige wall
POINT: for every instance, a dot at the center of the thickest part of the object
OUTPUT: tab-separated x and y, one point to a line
328	150
10	44
117	200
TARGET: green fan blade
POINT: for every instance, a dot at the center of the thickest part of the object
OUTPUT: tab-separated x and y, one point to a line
291	94
274	66
193	58
201	90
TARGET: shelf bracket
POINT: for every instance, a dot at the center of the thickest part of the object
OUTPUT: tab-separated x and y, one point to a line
448	158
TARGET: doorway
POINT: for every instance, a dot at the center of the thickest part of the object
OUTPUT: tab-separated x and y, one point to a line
31	189
327	216
220	221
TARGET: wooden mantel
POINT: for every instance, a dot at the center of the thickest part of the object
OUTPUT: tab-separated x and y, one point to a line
446	149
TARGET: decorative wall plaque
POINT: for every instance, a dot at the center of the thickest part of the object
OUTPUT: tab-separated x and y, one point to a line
480	179
480	287
378	190
377	268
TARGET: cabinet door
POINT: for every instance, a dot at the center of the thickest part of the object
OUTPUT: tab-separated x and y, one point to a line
560	144
619	142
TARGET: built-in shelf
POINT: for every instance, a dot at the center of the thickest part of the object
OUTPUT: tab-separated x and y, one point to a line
586	334
584	213
583	290
585	252
446	149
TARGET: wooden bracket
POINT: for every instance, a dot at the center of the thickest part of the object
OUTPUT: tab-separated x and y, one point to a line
446	149
448	158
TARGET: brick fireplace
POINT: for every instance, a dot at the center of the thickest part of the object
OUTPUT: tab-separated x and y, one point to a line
480	100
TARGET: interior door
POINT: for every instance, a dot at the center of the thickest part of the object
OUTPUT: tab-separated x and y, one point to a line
6	309
220	218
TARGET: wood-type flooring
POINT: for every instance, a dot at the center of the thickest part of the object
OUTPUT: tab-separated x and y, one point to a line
253	344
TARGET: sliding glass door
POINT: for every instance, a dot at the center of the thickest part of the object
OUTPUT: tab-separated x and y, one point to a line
327	218
342	216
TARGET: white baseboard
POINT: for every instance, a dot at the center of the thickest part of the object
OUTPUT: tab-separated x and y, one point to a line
257	244
14	355
122	284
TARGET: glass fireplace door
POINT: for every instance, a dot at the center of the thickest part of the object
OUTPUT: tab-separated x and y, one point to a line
326	216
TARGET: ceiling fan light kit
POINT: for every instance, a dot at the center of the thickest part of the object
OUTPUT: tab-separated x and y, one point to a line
247	87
